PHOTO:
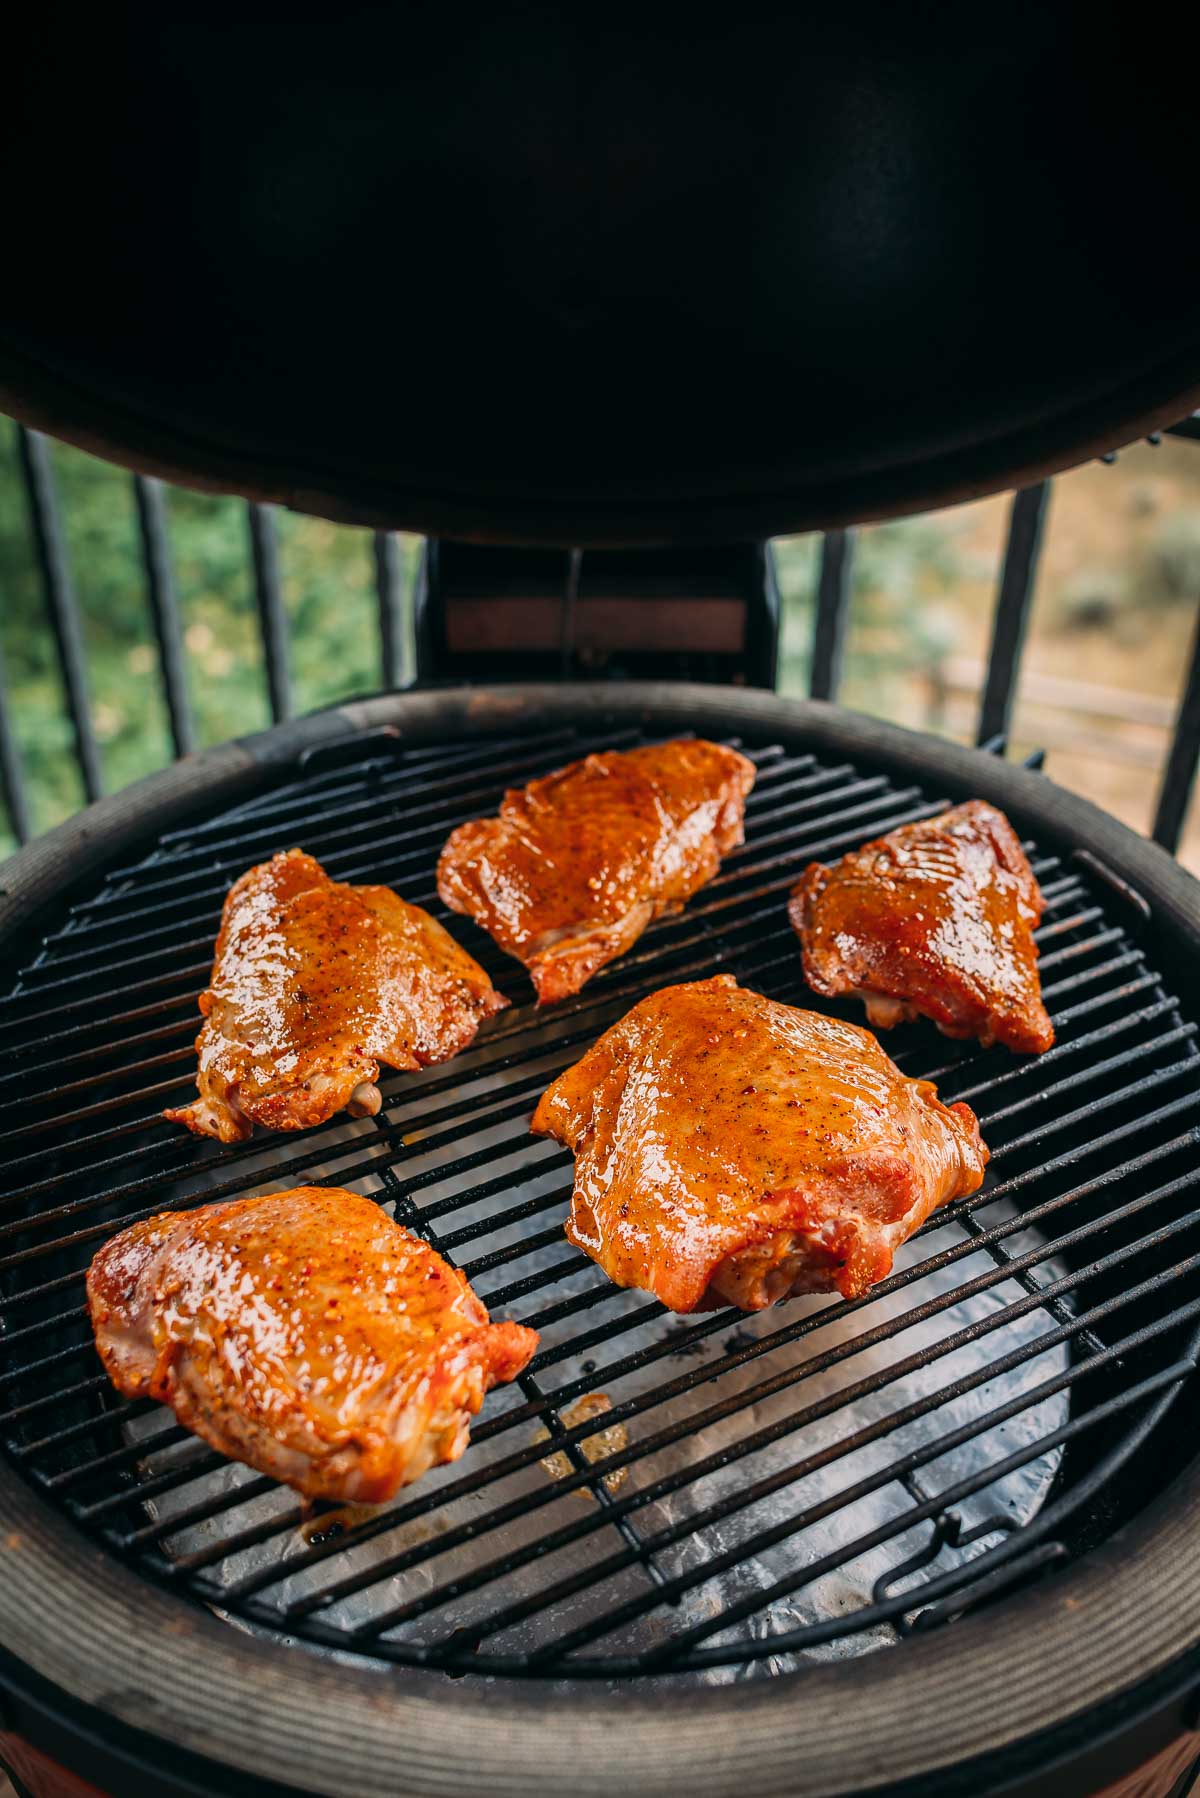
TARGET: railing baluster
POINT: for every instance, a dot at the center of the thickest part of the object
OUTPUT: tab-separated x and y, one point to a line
389	588
272	620
164	609
51	550
1180	774
570	606
12	772
1025	523
833	607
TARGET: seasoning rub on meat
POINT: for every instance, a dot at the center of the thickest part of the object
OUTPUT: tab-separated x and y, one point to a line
577	864
304	1333
732	1150
315	985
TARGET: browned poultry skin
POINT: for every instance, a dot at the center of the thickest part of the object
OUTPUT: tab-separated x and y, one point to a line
729	1149
579	863
314	985
935	919
305	1334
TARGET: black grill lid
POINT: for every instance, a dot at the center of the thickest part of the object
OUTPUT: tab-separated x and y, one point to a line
548	276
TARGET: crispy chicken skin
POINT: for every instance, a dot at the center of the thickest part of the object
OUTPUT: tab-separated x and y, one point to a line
729	1149
304	1333
314	985
578	864
936	919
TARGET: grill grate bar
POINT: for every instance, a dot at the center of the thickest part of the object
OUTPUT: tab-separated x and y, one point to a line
117	1412
1084	1113
319	788
204	918
595	1484
191	977
198	972
1048	931
1093	1071
169	1003
1170	1377
448	796
515	1214
1062	1050
1073	951
117	1459
446	813
92	1233
102	1108
1100	1151
766	1486
1071	982
173	1142
43	1327
183	1031
205	915
1167	1381
788	1334
693	1426
752	922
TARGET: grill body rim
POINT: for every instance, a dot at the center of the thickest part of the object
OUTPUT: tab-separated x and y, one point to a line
1074	434
1123	1621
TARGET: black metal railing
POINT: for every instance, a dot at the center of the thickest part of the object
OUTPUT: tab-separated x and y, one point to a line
1014	597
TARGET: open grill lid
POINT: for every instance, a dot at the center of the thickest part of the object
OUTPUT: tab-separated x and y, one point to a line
546	277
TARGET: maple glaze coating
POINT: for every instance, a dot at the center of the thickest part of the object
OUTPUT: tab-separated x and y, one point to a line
729	1149
579	863
304	1333
937	919
314	985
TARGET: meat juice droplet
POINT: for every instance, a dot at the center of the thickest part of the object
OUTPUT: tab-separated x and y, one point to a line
596	1447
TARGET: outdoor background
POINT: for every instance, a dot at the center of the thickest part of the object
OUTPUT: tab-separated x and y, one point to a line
1106	654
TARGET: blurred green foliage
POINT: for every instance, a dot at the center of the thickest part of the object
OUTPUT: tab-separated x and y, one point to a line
329	593
903	577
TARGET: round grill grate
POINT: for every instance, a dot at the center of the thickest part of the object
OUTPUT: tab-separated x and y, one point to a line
703	1497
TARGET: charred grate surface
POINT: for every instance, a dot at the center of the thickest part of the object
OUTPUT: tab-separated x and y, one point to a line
656	1494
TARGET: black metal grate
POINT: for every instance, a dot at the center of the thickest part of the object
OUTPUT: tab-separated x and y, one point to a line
817	1476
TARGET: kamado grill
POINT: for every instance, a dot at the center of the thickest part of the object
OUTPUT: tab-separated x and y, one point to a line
1014	1399
938	1540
